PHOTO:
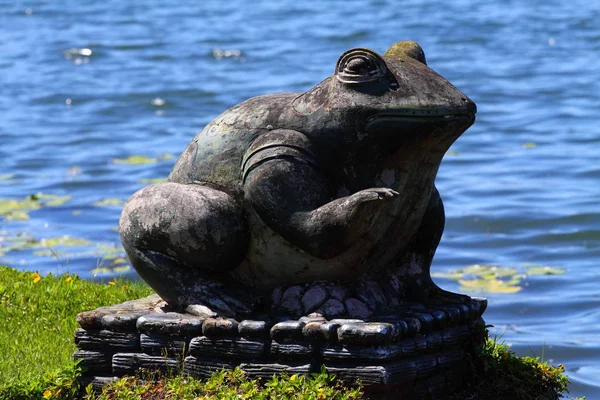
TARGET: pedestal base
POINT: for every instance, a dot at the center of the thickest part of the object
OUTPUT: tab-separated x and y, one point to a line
416	353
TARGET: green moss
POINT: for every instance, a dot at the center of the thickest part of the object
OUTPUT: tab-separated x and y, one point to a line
499	374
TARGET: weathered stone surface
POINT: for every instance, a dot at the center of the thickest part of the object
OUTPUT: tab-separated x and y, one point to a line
352	353
332	308
93	319
313	298
413	326
254	329
205	367
425	320
455	336
434	341
95	361
121	322
391	351
312	331
170	324
227	347
390	373
329	331
291	350
268	369
216	327
426	365
313	317
129	363
448	358
287	330
452	315
370	293
479	305
200	310
105	339
290	300
366	333
357	309
439	318
159	345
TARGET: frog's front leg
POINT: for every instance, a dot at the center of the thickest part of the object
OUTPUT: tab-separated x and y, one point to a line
182	239
286	186
416	261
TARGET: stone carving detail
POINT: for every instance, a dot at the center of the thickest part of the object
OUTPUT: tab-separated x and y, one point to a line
418	349
298	229
321	201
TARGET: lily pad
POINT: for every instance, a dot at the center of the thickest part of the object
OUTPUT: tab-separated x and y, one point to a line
490	285
152	181
66	241
485	278
543	270
529	145
19	209
6	177
109	202
51	200
136	160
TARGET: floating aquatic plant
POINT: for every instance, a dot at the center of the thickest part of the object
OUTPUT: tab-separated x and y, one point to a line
135	160
18	209
495	278
138	159
152	181
109	202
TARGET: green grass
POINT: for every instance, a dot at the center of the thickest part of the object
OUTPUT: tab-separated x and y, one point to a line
38	321
36	349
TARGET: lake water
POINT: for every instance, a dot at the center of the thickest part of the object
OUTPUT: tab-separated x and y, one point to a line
87	84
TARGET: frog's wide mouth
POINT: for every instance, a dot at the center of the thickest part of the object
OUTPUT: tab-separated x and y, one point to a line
420	116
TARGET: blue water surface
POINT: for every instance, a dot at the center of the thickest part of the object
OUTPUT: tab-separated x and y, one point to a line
86	83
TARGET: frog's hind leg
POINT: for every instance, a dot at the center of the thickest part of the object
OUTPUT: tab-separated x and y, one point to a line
182	239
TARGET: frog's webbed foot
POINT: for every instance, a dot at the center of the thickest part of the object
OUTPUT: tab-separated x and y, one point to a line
183	240
438	296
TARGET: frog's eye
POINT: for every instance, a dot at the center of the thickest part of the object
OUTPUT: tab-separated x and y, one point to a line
360	66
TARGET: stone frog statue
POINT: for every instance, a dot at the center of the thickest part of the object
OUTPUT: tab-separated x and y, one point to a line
299	203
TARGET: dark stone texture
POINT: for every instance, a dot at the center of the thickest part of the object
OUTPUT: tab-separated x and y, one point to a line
374	333
228	348
220	327
287	330
95	361
313	219
292	350
268	369
321	201
93	340
254	329
205	367
170	323
159	345
129	363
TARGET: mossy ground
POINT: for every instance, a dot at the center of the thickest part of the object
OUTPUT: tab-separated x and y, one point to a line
36	343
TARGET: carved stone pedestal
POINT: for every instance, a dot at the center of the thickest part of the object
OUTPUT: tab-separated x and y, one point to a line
418	353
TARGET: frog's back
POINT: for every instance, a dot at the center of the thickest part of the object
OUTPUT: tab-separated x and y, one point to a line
215	155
